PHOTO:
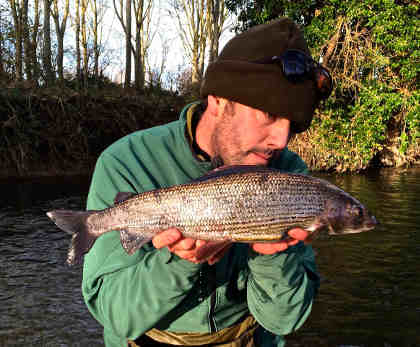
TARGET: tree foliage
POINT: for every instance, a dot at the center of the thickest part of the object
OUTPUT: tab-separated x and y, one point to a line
372	49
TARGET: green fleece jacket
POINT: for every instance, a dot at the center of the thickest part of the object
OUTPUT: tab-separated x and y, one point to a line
130	294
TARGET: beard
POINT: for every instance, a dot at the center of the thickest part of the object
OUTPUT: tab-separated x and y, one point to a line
227	142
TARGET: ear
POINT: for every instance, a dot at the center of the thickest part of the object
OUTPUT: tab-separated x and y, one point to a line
216	104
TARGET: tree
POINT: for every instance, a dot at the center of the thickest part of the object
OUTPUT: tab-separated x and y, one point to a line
19	11
60	29
218	14
7	43
127	42
142	18
98	11
84	39
49	76
126	25
142	13
31	45
192	17
77	41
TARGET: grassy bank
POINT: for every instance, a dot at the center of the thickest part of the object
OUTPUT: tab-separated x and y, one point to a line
61	131
55	131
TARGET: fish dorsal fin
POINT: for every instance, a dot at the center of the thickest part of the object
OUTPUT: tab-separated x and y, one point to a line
122	196
233	169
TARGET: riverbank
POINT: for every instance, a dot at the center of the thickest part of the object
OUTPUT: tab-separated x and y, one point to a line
60	131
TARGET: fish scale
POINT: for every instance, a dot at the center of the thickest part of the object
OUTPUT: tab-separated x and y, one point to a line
239	203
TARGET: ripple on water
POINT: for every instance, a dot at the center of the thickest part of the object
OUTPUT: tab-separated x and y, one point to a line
368	296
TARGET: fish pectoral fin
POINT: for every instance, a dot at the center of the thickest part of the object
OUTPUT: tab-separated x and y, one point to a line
133	241
122	196
211	248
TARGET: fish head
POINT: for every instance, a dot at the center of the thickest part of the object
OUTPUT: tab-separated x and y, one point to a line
346	215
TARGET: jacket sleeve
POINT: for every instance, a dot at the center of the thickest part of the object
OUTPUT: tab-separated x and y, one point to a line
116	285
281	288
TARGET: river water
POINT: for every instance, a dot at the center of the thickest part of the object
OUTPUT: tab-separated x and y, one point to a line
369	295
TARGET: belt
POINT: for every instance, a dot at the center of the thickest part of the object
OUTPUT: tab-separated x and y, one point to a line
238	335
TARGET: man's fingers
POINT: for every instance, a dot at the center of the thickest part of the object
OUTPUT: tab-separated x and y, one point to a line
188	255
269	248
298	234
295	235
166	238
183	245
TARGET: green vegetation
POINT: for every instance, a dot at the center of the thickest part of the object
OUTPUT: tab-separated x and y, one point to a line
61	130
372	49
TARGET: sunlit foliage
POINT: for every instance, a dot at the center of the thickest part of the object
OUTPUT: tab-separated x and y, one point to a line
372	49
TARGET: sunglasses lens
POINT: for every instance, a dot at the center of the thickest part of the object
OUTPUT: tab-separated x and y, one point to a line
296	66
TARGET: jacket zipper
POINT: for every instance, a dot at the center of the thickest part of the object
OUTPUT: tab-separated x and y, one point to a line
207	285
211	311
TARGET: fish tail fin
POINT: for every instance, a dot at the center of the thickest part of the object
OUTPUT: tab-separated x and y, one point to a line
74	222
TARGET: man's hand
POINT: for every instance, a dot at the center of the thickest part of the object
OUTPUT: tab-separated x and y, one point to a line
189	249
296	235
192	250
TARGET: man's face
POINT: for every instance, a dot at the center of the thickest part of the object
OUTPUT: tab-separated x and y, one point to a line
247	136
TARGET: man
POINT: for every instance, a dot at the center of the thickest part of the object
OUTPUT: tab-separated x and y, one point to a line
261	90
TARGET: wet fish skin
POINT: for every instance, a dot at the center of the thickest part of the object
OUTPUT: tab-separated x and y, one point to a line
238	204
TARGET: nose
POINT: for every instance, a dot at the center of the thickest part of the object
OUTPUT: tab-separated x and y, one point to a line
279	134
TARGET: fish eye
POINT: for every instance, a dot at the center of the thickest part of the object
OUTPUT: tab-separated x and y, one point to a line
356	211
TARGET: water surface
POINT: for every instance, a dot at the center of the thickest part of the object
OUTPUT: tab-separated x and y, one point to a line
369	296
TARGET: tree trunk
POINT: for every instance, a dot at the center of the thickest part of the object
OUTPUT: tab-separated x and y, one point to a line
26	41
83	29
95	26
142	18
192	23
34	44
78	56
16	14
46	52
60	29
127	43
218	15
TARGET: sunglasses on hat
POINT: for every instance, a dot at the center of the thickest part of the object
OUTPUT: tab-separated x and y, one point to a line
297	67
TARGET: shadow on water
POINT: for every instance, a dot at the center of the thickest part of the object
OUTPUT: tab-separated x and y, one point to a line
369	294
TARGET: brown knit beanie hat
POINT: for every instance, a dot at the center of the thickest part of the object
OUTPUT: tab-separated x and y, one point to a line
235	77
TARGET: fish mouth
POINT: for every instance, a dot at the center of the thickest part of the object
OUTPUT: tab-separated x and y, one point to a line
370	224
365	227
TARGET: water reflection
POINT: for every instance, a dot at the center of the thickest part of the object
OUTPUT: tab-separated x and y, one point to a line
369	294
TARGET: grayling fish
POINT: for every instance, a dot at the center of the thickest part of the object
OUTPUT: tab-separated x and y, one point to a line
235	204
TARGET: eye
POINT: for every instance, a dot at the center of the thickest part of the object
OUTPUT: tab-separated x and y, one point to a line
266	117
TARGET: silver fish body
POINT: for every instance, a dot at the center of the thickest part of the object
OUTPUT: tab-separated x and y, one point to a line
240	204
